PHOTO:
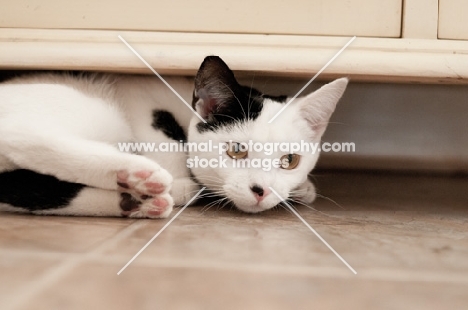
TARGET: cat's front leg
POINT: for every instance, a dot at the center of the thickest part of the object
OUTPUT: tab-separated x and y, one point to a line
305	192
94	164
81	161
100	202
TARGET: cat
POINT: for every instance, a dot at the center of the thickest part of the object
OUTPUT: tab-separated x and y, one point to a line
59	137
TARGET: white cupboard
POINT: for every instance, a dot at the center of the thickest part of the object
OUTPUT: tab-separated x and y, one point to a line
422	41
306	17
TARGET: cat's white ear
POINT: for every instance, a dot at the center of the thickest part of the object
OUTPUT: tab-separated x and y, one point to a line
317	107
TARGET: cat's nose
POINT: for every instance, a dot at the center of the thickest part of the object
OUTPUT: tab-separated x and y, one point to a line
259	192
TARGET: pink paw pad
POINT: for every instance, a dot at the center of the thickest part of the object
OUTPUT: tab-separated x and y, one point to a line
140	191
122	176
155	212
160	203
143	174
154	187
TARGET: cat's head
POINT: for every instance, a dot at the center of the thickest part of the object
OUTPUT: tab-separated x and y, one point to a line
237	114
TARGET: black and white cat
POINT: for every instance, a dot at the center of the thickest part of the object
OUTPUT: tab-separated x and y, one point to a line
59	137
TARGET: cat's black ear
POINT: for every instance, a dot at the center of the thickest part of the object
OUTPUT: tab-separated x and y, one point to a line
215	87
317	107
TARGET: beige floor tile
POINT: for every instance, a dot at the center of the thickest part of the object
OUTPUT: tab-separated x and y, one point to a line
96	286
230	237
55	233
406	236
17	272
378	241
390	223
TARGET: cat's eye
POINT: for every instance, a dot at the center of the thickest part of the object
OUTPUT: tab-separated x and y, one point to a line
236	150
290	161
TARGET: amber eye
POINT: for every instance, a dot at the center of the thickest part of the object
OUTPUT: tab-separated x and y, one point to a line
290	161
236	150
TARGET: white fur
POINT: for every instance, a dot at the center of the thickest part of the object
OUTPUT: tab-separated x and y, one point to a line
70	127
305	119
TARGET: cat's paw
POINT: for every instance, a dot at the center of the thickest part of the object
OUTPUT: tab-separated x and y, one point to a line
144	182
149	207
144	193
183	190
305	193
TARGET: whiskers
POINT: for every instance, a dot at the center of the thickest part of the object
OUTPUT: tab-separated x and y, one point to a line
215	194
331	200
224	115
220	203
293	199
284	205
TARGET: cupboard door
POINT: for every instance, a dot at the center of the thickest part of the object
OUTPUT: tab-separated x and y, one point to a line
308	17
453	22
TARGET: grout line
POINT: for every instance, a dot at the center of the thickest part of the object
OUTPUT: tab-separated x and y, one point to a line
312	79
313	230
161	78
378	274
37	286
123	234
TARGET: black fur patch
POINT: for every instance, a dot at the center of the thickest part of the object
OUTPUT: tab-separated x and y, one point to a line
246	104
165	121
225	101
32	191
280	99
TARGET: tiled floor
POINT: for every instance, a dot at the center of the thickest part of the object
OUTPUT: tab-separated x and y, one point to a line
406	236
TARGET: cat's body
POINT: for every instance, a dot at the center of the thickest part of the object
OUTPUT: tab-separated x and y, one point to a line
59	137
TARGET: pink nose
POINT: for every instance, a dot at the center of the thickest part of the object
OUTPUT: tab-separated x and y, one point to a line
259	192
